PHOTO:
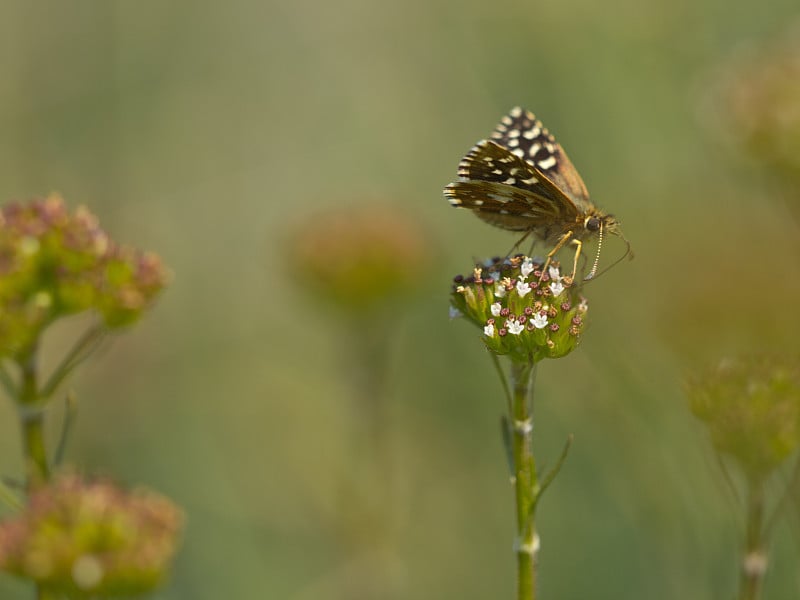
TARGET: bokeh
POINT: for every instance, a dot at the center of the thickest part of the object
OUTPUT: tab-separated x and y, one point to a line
207	132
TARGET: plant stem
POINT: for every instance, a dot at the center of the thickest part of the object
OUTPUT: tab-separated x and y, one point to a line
523	376
754	562
32	421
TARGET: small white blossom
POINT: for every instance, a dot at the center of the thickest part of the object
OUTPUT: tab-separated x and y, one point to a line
489	330
500	289
523	288
540	320
455	313
495	309
556	287
555	273
514	327
584	305
527	267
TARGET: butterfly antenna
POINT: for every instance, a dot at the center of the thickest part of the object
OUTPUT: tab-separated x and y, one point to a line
596	262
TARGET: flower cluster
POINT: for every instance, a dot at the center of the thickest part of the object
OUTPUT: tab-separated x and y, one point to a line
91	539
523	311
54	264
751	407
360	258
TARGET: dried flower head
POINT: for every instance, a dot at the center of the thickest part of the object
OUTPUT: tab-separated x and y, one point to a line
360	258
54	264
751	407
91	539
758	96
523	312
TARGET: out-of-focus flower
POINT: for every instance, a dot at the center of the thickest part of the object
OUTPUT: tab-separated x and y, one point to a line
751	406
360	258
522	312
54	263
757	99
91	539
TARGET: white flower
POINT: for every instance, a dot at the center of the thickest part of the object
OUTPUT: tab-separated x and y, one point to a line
514	327
584	305
527	267
540	320
500	289
523	288
555	273
455	313
556	287
495	308
489	330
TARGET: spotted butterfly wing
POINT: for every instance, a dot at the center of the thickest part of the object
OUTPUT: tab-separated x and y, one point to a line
521	179
506	190
525	136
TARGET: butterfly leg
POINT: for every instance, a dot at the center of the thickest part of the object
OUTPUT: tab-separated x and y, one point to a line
519	243
560	244
579	245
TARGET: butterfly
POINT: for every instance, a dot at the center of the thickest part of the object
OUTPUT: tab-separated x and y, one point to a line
522	180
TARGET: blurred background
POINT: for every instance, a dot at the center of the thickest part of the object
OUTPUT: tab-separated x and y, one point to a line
208	132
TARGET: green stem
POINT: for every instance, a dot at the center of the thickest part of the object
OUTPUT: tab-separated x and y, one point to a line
754	562
523	376
32	421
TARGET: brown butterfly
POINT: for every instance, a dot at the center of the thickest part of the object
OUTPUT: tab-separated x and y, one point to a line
522	180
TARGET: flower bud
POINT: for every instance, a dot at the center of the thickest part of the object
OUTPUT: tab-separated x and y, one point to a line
751	406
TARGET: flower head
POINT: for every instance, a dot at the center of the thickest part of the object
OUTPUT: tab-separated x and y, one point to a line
523	312
54	263
757	101
91	539
359	259
751	406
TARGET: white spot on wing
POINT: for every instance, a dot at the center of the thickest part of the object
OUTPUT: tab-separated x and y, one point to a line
547	163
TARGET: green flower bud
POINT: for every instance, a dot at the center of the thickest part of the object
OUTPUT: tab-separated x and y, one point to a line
523	312
91	539
751	407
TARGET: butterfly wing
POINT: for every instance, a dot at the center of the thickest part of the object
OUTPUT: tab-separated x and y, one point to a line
503	205
507	191
525	136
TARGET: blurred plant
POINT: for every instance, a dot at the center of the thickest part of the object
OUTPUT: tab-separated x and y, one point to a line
90	539
751	406
362	263
527	315
359	259
54	264
756	101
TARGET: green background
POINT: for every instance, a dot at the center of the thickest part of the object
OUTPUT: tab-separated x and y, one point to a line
202	130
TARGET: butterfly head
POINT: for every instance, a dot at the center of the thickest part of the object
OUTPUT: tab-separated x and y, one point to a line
602	224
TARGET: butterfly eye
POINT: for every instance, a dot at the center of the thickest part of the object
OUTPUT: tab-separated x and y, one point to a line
592	223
